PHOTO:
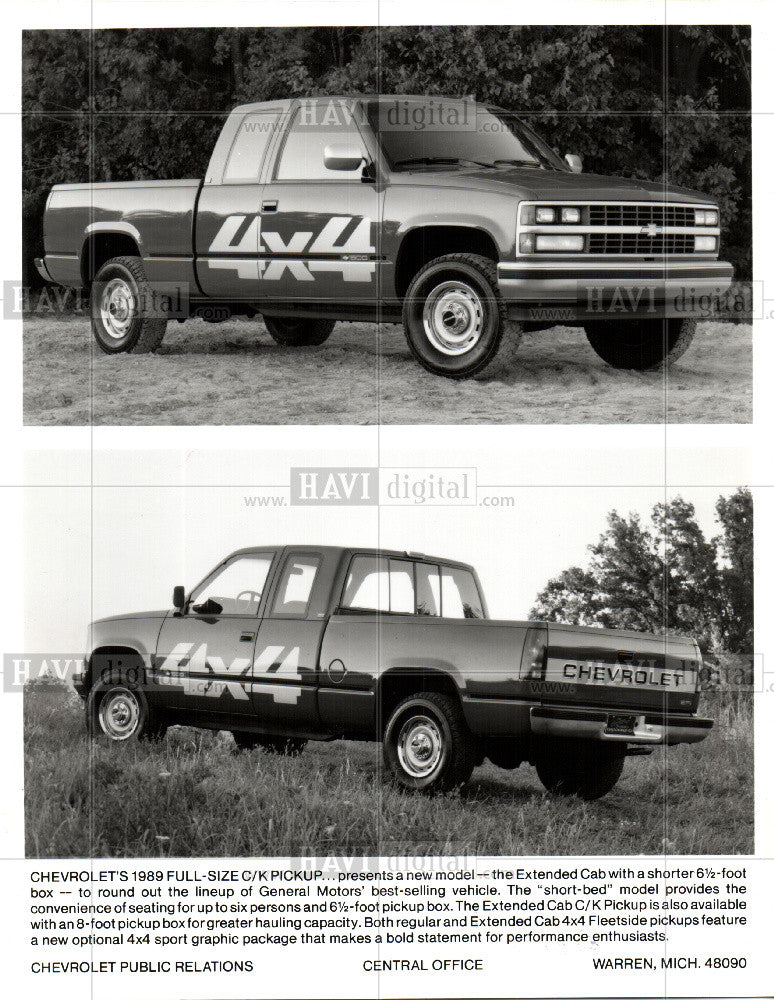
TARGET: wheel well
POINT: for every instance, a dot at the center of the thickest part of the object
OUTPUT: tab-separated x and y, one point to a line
399	684
428	242
102	247
108	661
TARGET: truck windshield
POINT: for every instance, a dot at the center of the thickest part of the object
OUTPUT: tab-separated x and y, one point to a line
414	135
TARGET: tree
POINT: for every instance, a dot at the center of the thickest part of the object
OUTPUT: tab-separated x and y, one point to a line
664	578
735	548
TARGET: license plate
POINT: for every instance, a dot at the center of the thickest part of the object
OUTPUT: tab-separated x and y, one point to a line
621	724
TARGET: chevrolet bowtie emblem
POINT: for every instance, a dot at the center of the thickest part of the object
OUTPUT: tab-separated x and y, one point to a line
650	230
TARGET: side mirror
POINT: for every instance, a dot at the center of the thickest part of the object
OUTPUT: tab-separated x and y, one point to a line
178	598
574	162
340	156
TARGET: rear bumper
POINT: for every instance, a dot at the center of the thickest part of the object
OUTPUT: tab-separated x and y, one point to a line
613	289
648	730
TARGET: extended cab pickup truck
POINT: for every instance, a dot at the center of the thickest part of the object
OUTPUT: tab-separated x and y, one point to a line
450	216
281	645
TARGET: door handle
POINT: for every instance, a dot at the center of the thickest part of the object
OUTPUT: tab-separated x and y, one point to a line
247	637
269	206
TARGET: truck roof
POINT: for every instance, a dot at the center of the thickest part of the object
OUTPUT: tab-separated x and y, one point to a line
348	550
320	98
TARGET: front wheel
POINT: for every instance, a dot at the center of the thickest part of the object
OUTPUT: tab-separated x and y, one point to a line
586	771
427	744
455	319
287	331
124	314
641	344
119	710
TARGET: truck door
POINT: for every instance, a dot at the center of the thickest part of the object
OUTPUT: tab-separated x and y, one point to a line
284	675
319	225
204	656
228	217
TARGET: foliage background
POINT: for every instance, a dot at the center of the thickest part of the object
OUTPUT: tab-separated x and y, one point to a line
636	101
665	577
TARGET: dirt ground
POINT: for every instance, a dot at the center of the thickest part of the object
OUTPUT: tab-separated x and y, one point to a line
233	373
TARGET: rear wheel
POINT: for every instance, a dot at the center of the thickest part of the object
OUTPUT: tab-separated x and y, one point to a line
586	771
455	319
289	331
286	746
427	744
641	344
124	314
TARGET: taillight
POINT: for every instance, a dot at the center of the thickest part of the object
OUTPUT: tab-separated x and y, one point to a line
533	657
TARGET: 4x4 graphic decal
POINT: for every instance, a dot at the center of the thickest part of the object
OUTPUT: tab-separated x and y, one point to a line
343	237
213	676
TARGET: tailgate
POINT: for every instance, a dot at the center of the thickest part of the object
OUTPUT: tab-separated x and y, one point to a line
621	670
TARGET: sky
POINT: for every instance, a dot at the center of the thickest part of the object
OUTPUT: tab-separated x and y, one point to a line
119	547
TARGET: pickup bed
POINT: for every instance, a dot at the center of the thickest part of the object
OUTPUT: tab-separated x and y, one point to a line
280	645
468	229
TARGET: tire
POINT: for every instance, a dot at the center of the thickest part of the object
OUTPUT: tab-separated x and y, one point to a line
455	320
286	746
427	744
117	297
641	344
119	710
588	772
288	331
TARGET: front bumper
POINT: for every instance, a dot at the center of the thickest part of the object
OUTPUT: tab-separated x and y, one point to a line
79	683
650	729
613	289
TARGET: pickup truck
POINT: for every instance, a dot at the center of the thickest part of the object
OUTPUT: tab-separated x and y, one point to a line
280	645
449	216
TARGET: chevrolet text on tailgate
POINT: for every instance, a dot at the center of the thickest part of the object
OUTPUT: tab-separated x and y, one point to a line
469	228
282	645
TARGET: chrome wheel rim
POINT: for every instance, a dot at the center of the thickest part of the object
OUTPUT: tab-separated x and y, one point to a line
420	746
453	317
119	714
117	308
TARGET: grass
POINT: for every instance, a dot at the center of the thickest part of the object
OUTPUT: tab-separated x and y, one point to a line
192	796
234	373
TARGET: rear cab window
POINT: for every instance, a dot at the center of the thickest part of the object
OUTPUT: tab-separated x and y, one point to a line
248	149
408	587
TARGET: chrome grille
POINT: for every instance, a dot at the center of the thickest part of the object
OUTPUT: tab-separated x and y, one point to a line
637	243
641	215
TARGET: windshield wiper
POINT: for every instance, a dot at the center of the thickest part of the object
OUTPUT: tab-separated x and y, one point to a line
519	163
426	161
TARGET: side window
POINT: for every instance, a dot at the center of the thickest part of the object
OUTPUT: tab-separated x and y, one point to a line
295	586
428	590
459	594
249	146
367	587
235	590
401	587
378	584
302	153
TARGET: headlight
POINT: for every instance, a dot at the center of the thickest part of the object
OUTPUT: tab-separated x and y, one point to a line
570	215
545	215
557	242
705	243
706	217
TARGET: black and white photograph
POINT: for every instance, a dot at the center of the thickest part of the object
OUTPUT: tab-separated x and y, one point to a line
490	224
317	681
387	495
